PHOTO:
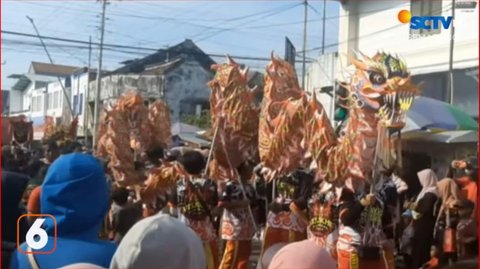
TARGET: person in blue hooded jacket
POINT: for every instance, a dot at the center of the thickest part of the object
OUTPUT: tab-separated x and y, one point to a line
76	193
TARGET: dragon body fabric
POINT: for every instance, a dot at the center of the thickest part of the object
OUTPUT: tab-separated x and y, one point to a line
128	130
61	134
235	119
295	129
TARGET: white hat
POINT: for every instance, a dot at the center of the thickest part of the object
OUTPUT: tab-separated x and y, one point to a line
159	242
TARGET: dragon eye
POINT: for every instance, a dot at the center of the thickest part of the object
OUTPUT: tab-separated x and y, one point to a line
377	78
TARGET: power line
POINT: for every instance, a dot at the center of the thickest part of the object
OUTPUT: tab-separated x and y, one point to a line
244	23
162	18
111	46
367	35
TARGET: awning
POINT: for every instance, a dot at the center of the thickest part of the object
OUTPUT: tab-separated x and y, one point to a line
449	137
179	127
194	139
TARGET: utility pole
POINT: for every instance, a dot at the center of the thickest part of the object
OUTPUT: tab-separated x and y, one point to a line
305	3
323	25
51	62
452	44
99	76
86	108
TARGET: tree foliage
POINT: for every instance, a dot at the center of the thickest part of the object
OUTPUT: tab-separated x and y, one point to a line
203	121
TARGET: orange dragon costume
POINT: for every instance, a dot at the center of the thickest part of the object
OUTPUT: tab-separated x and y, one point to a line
379	95
61	134
130	124
289	121
235	121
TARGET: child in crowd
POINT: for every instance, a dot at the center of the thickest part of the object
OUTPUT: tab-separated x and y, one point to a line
406	239
433	263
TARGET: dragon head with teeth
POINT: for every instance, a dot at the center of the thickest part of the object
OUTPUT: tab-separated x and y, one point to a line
382	84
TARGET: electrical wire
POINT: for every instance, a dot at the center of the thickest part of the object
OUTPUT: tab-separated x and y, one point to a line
245	23
116	47
368	35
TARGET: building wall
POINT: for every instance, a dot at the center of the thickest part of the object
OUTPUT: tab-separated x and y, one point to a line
185	86
441	154
373	25
27	97
47	101
79	101
322	73
16	101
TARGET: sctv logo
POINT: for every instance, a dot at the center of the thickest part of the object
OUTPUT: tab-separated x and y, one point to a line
424	22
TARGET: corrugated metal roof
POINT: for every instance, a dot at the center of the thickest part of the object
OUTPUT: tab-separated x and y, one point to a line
53	69
162	68
193	138
179	127
22	82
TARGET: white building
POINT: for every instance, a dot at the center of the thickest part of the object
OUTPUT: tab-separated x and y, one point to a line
38	93
178	75
372	25
79	99
321	79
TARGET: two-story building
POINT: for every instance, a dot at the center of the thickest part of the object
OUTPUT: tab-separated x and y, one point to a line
371	25
178	75
38	93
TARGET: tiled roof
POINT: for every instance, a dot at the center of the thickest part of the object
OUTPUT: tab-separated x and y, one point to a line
184	50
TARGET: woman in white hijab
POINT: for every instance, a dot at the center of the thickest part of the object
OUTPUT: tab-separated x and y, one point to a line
424	219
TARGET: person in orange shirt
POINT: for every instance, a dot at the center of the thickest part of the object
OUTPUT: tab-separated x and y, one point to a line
33	205
465	173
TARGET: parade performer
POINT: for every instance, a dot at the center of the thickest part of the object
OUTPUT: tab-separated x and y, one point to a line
318	251
287	219
237	227
235	138
322	225
350	238
378	97
192	202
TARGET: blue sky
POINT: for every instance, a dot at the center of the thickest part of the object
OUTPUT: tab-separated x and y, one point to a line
246	28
